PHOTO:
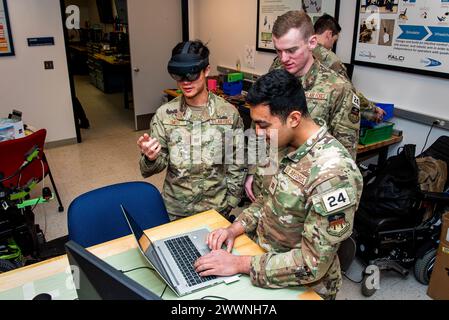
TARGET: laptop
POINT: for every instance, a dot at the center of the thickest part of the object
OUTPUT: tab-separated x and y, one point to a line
173	258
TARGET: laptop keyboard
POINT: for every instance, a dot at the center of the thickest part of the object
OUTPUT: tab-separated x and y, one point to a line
185	254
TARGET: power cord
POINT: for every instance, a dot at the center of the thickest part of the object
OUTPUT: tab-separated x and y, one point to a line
139	268
212	298
166	286
427	139
126	271
358	282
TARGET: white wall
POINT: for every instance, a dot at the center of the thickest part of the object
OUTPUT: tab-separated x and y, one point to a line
42	95
227	26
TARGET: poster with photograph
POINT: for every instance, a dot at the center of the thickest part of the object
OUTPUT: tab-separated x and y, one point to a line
6	46
269	10
404	35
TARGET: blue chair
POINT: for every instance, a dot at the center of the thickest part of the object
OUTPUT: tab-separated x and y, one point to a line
96	217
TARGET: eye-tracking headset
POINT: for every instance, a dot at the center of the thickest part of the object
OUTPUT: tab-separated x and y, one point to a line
186	66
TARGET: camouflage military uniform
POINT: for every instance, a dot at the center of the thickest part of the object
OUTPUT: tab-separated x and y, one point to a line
333	62
332	101
309	210
198	177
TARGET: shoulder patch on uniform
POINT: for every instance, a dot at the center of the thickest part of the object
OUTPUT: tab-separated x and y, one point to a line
355	100
295	175
316	95
222	121
336	199
354	116
338	225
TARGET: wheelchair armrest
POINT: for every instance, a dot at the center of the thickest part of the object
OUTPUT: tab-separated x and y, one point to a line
435	196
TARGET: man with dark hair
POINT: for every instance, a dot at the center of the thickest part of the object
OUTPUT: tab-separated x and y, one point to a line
187	136
330	98
310	204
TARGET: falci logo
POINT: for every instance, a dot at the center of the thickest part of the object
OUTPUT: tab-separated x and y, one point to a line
429	62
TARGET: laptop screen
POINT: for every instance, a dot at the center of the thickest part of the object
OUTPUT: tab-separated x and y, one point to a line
142	239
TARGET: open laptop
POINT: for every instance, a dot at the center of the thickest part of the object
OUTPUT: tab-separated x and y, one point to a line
173	258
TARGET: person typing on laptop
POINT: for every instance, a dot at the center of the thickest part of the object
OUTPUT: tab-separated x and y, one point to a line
310	205
187	136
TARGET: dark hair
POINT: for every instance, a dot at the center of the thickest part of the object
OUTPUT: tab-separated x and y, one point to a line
281	92
196	47
327	22
293	19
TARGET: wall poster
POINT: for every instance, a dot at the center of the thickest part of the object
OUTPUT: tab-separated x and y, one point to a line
6	45
403	35
269	10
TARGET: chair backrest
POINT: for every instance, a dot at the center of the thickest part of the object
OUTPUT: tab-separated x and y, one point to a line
96	216
12	156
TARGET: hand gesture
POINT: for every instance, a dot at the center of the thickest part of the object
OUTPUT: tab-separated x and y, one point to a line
150	147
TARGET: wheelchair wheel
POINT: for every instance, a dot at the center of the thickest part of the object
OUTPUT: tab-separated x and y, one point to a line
367	287
424	266
6	265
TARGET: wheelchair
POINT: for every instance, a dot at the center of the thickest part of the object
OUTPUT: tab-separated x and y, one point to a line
401	242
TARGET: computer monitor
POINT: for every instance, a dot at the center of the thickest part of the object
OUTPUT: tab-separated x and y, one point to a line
100	281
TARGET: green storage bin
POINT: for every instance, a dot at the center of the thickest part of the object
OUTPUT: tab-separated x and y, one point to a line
377	133
234	77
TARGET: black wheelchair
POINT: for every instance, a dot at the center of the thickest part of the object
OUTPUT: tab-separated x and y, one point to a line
399	242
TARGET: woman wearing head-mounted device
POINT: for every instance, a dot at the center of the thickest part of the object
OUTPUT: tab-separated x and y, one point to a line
184	125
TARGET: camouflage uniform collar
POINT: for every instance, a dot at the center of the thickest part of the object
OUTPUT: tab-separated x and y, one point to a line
309	79
185	114
299	153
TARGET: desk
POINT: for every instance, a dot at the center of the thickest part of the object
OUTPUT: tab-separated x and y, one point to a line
112	75
379	148
50	276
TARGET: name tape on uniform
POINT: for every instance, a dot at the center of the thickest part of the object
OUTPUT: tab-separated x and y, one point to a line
295	175
336	200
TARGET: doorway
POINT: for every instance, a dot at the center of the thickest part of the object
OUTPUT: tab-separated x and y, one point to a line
100	68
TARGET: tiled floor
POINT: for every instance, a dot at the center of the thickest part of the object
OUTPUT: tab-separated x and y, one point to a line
109	154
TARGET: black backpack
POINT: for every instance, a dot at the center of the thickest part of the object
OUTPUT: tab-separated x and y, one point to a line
395	189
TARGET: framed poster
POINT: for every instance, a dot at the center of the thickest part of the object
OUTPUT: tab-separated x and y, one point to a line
410	36
6	46
269	10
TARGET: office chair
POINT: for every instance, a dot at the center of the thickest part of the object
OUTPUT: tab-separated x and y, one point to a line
12	155
96	217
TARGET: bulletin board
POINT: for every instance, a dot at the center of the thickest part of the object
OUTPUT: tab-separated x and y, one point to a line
6	45
269	10
410	36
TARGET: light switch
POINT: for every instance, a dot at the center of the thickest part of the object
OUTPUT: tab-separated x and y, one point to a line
250	56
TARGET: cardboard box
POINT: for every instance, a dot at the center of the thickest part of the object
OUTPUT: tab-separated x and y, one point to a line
439	280
11	129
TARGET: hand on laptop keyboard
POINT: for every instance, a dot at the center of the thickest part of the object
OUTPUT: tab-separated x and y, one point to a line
216	239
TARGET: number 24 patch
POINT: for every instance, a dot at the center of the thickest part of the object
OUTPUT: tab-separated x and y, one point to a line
336	200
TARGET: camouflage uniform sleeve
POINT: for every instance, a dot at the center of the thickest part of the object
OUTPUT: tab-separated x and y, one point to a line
345	123
236	172
249	218
276	64
157	131
340	68
366	107
323	232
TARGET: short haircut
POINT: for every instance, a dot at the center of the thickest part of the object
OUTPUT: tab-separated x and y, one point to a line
293	19
196	47
281	91
327	22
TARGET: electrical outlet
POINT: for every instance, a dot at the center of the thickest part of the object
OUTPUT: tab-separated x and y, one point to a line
250	56
48	65
440	123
